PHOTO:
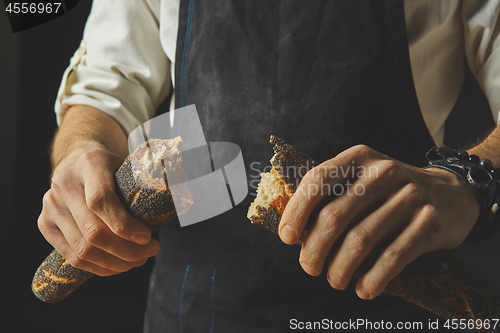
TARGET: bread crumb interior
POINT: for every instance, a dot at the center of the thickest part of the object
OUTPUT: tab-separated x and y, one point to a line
150	158
270	188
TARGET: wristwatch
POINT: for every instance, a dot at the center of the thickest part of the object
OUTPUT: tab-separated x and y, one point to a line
481	177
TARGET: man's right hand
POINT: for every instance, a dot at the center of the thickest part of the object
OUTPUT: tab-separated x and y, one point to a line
83	218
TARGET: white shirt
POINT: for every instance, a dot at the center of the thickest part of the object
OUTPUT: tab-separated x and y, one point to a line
125	63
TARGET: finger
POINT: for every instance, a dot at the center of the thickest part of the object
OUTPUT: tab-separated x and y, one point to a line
92	241
56	238
363	238
333	220
412	242
71	191
329	177
313	188
97	234
102	200
357	201
83	250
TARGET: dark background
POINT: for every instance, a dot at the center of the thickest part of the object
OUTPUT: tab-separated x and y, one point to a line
31	66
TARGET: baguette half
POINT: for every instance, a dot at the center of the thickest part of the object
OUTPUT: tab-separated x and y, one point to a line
141	184
436	281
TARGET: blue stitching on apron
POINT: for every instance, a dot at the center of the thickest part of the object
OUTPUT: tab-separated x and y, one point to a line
400	80
185	52
182	293
212	302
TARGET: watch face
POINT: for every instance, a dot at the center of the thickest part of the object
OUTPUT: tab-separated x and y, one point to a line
479	176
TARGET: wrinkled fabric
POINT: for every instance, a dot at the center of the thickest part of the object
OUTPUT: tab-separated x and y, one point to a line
324	76
440	35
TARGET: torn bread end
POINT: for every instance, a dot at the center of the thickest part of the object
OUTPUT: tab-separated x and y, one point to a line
270	193
154	160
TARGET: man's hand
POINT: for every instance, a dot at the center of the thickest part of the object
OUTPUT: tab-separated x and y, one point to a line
377	199
82	216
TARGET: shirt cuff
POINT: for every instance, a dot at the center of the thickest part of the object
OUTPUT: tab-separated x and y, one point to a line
106	90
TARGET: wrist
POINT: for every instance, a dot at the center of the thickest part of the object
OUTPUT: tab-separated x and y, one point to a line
486	149
481	177
63	157
465	200
84	128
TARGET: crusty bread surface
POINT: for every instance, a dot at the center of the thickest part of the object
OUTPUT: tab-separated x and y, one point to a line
436	281
141	185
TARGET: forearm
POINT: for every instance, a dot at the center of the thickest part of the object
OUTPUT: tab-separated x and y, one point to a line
489	147
85	127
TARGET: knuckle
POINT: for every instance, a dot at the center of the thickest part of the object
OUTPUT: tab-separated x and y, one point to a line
97	200
90	156
388	168
120	230
93	233
48	198
97	157
412	191
358	153
383	174
330	218
358	240
83	251
371	286
413	195
392	258
60	181
75	261
43	222
310	257
316	175
430	222
430	213
360	150
45	226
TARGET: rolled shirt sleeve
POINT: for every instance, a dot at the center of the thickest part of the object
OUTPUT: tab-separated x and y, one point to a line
120	67
482	48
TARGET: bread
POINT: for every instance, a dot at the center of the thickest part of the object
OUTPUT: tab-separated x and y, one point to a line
141	184
278	185
144	187
437	281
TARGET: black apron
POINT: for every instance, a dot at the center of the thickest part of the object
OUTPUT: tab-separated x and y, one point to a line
324	76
